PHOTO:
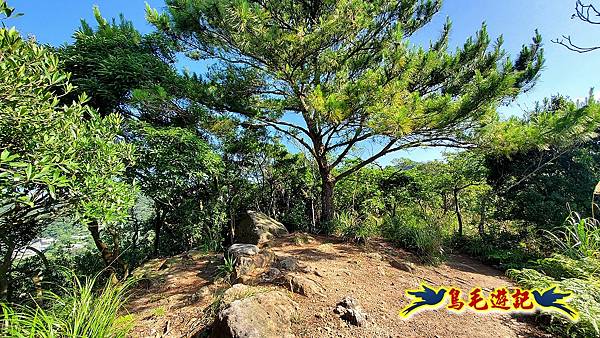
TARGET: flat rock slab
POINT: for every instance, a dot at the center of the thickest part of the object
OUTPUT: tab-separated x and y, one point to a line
239	249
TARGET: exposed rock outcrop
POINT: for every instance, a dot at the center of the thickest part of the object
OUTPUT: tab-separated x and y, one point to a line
263	315
248	258
240	249
404	266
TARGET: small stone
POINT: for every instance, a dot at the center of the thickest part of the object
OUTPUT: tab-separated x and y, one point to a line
375	255
202	293
272	275
302	285
350	311
287	264
404	266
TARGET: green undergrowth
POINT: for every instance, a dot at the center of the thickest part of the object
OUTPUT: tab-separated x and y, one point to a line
80	310
426	237
501	252
580	276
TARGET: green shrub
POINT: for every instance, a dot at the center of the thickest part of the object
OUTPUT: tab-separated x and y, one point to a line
507	244
78	311
504	252
559	266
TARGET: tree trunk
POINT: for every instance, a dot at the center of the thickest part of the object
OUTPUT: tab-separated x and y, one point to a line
458	213
327	211
158	223
136	232
4	269
107	255
313	222
445	202
482	220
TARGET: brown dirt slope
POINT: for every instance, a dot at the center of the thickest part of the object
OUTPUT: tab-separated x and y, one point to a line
176	300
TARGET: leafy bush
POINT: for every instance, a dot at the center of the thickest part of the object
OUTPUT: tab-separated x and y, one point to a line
504	250
55	159
79	311
559	266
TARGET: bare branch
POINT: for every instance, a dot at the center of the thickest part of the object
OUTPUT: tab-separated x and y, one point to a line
385	150
566	42
586	13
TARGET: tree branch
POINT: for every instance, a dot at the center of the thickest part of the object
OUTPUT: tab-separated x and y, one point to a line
385	150
290	134
566	42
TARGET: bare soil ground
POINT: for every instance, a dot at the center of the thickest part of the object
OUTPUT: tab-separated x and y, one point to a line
175	302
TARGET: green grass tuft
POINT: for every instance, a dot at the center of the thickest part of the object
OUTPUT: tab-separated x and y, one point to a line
77	311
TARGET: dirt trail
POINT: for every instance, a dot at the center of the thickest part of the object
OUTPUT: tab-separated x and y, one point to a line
181	291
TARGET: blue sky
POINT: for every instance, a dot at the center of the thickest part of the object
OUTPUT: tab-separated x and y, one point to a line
565	72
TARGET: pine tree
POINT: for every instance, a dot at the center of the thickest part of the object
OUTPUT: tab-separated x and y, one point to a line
339	76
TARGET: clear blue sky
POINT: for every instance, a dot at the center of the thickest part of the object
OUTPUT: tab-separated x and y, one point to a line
565	72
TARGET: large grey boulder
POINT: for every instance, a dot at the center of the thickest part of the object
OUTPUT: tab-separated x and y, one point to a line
264	315
254	227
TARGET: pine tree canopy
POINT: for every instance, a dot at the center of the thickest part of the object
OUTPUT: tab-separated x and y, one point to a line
338	75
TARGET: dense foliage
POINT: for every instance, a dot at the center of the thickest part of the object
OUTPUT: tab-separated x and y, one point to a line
55	158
